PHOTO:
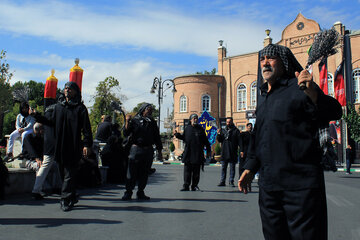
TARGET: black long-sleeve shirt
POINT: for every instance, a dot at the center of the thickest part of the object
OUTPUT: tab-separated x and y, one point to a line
231	142
144	132
284	144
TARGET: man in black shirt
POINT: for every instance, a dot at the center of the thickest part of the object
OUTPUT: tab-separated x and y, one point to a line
230	140
104	129
285	148
193	157
143	133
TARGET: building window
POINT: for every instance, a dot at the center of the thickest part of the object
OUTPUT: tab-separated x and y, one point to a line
356	83
330	85
241	97
205	103
253	94
183	104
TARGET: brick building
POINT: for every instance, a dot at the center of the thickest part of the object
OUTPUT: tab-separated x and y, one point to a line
233	91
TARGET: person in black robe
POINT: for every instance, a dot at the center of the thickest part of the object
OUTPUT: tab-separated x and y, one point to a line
73	139
193	156
143	133
285	149
245	138
230	140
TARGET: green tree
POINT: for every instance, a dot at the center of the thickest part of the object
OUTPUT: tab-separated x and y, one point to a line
107	91
5	92
212	72
353	120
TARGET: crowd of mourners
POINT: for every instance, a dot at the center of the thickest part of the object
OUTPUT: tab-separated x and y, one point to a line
285	148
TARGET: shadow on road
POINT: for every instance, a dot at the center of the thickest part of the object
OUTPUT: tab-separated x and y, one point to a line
53	222
137	209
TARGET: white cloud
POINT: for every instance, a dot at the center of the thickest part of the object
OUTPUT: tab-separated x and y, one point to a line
135	77
150	28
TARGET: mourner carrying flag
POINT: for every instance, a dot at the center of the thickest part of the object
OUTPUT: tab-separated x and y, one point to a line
76	74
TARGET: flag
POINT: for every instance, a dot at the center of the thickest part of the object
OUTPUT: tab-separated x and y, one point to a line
208	122
76	74
50	89
339	87
323	79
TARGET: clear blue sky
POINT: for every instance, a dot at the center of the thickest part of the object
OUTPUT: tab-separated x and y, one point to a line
134	41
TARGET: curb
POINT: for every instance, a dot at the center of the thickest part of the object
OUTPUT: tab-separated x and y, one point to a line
340	169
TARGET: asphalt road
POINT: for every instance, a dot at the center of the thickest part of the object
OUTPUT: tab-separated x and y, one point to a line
212	213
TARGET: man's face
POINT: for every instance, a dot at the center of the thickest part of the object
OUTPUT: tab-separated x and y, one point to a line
229	122
249	127
194	121
148	112
271	68
69	92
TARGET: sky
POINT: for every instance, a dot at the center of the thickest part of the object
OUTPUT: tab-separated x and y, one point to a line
136	41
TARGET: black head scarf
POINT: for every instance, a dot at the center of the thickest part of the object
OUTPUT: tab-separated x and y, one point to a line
77	98
142	108
287	57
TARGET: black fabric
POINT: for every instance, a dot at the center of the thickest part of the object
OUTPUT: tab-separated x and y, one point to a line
71	122
49	133
114	157
284	146
33	147
191	175
245	138
296	215
195	141
104	131
139	163
68	190
230	140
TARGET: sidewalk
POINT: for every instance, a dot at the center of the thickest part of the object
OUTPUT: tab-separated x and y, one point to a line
354	167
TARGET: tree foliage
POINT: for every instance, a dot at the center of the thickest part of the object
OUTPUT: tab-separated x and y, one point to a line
107	91
212	72
5	92
353	120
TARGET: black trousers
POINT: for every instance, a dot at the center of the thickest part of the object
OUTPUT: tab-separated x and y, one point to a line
68	190
295	215
191	175
139	163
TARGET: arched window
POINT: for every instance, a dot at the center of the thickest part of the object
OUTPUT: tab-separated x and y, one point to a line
330	85
183	104
356	84
252	105
241	97
205	103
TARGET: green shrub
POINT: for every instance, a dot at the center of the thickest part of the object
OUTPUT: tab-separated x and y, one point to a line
172	147
217	149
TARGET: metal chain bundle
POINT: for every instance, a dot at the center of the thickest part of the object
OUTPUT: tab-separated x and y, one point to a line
324	45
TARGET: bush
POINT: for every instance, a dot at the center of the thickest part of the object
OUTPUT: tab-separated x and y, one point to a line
217	149
172	147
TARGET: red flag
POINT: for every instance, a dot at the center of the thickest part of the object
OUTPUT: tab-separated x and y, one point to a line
323	79
339	87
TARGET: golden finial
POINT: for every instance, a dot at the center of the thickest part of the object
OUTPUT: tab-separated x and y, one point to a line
52	72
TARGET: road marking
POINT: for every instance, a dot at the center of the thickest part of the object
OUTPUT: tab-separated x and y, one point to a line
339	201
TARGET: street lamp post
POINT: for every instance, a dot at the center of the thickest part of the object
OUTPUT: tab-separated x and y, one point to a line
158	84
